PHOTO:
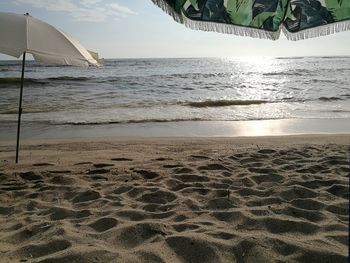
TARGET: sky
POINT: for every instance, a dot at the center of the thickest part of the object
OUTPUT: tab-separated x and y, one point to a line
139	29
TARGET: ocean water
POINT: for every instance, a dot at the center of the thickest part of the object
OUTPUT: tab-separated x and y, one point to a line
174	90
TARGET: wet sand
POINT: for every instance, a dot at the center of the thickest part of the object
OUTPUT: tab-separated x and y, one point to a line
194	129
275	199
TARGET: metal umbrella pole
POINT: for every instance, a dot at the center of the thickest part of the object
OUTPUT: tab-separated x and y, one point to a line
20	106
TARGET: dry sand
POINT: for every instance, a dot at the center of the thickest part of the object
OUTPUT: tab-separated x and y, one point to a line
282	199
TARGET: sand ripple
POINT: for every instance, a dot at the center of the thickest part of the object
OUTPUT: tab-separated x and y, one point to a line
179	203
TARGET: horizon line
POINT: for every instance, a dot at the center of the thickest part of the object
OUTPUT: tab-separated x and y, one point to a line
194	57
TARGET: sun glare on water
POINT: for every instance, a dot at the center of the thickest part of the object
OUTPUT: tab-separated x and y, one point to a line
259	79
261	128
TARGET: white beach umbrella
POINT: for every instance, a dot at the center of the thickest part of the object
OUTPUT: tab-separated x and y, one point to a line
21	34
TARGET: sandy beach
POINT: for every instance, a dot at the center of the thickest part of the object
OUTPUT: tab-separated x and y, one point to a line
142	141
266	199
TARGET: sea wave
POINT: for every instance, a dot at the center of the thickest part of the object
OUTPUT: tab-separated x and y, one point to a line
69	78
130	121
333	57
329	98
155	120
224	103
320	80
8	111
290	58
31	81
16	81
195	75
301	72
339	111
31	64
127	121
156	104
28	110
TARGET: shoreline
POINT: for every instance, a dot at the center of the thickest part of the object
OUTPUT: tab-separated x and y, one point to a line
64	149
191	129
299	139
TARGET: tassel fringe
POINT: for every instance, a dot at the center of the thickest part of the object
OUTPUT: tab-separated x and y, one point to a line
169	10
216	27
231	29
318	31
252	32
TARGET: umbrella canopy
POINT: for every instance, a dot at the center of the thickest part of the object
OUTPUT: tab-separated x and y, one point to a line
299	19
47	44
21	34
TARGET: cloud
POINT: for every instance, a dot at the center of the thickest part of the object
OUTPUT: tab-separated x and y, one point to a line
82	10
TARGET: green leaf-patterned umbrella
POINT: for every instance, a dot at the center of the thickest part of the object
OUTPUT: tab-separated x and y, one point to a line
299	19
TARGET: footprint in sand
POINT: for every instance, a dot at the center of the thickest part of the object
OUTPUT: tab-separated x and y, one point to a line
98	171
192	250
98	177
42	164
163	159
339	190
172	165
132	215
147	174
229	217
139	234
28	232
102	165
103	224
6	210
30	176
185	227
158	197
220	204
13	186
202	157
86	196
62	180
148	256
191	178
83	163
60	172
44	249
59	213
213	167
3	177
270	177
183	170
121	159
266	151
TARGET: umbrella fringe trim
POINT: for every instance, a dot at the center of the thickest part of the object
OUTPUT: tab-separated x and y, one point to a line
318	31
169	10
231	29
217	27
